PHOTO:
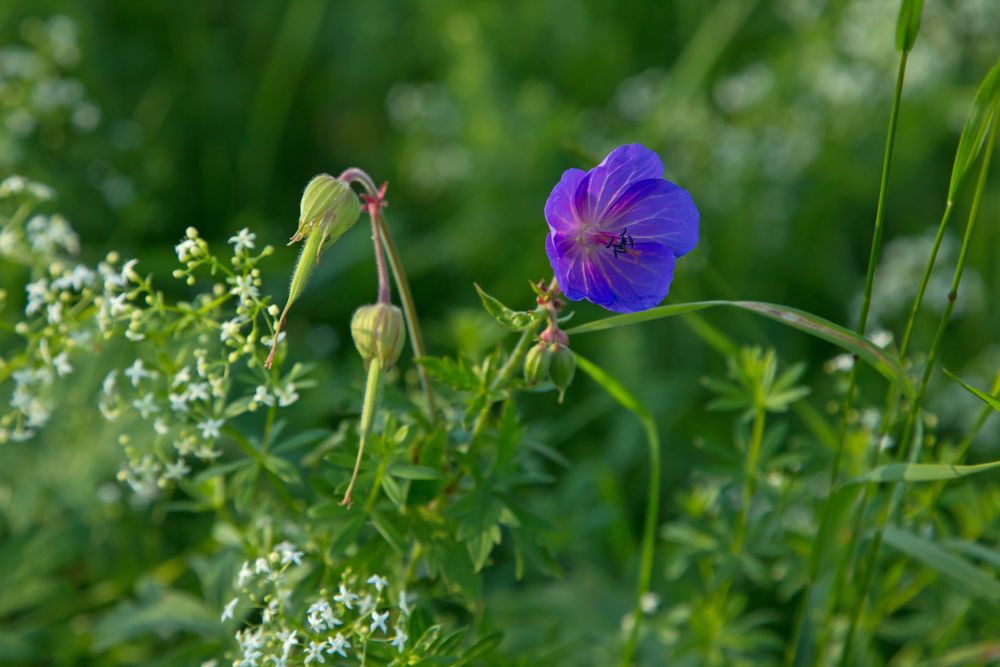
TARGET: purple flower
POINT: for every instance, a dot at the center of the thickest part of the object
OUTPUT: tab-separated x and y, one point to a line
616	230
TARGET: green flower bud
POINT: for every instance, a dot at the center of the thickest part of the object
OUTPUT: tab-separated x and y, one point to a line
330	206
562	368
379	333
536	364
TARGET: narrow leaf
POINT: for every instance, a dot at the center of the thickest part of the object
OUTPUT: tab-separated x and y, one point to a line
974	581
991	401
922	472
614	388
908	24
984	107
822	328
411	471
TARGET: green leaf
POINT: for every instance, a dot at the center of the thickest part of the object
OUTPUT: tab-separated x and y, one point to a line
614	388
480	523
984	107
974	581
908	24
484	647
991	401
411	471
166	613
922	472
512	320
454	373
793	317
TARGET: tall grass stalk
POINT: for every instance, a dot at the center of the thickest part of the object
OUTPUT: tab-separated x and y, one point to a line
814	556
914	410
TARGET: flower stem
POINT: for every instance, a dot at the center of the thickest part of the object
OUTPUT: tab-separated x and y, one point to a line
914	410
749	478
354	174
372	388
648	538
814	556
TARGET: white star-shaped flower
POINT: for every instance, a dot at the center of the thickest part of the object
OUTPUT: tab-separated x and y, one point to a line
378	582
345	597
338	645
230	608
399	641
243	240
378	621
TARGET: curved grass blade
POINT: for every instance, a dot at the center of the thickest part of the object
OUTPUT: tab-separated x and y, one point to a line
815	325
991	401
922	472
970	578
984	107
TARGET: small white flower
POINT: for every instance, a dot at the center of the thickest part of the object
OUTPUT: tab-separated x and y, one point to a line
404	603
197	391
841	363
287	395
378	582
186	250
345	597
365	605
160	426
261	395
399	641
230	329
244	574
260	566
314	653
145	406
338	645
378	621
178	402
244	288
176	470
182	376
229	610
210	428
243	240
649	602
288	638
108	386
136	372
61	364
882	338
289	554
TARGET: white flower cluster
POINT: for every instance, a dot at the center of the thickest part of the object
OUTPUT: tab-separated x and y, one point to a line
343	625
68	307
179	388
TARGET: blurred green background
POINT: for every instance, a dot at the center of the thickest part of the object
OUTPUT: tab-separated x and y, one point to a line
148	117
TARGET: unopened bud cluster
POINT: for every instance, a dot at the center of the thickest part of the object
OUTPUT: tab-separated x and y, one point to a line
550	359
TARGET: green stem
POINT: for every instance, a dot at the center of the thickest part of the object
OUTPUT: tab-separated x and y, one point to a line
749	478
932	356
372	388
506	371
648	538
814	556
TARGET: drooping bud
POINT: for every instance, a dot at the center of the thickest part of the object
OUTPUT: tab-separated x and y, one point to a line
536	364
329	208
379	333
328	204
562	368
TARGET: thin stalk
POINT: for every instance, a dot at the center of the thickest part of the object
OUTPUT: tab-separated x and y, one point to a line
862	326
402	284
648	538
932	356
749	478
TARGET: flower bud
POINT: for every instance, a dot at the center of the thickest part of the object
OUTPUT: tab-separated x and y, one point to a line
329	206
379	333
562	368
536	364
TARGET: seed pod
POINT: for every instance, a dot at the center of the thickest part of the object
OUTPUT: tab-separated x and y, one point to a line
328	206
536	364
379	333
562	368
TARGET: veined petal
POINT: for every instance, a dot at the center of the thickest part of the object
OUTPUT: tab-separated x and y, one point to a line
575	272
655	210
638	281
604	183
559	211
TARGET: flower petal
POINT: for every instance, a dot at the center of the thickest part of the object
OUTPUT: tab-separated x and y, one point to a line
605	182
575	271
559	211
658	211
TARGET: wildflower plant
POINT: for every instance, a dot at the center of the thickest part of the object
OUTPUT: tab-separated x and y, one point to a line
824	521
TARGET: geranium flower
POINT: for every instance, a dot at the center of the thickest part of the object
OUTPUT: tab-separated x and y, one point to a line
616	231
